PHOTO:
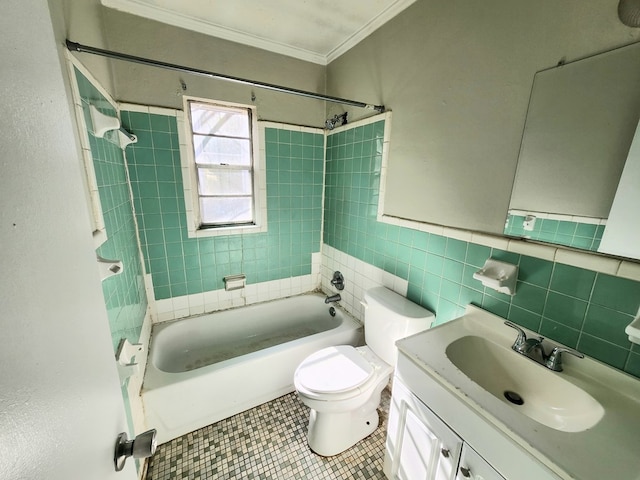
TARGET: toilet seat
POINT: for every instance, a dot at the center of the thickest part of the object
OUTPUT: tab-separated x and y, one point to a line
333	371
361	384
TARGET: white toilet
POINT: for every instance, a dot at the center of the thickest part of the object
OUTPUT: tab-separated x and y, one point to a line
342	385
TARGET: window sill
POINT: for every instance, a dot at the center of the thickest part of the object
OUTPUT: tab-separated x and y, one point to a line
220	231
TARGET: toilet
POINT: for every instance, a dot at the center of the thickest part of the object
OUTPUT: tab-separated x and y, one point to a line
342	384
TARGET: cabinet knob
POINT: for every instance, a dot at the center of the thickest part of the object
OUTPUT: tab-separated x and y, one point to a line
466	473
445	452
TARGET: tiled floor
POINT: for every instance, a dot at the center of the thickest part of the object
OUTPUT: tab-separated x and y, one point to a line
267	442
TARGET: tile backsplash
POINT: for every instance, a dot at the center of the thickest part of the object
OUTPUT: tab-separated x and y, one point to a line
580	308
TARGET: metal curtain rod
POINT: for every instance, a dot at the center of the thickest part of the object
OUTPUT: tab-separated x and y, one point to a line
76	47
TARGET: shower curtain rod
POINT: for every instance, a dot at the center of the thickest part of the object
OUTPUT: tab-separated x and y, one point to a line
77	47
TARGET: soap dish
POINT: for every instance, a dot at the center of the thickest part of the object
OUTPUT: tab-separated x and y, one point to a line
500	276
633	330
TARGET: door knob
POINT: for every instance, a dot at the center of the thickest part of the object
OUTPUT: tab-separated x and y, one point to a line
144	445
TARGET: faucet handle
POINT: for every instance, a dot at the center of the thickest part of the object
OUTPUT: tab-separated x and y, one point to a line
554	361
338	280
522	336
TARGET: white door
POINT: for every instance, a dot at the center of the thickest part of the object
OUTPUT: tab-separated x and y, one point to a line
60	402
474	467
421	446
426	452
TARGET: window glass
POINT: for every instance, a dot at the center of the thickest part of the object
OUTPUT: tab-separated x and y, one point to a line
226	211
218	120
224	182
221	151
222	148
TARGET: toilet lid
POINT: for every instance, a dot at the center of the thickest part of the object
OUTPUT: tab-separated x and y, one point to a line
334	370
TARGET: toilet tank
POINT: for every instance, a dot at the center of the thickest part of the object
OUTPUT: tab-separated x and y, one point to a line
388	317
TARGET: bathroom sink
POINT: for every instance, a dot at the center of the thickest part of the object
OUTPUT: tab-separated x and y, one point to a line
581	422
533	390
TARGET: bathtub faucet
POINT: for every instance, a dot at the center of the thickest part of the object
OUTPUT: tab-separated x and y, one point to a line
333	298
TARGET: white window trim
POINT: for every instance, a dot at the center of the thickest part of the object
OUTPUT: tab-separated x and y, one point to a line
190	183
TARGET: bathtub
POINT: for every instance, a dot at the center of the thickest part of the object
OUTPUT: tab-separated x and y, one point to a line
206	368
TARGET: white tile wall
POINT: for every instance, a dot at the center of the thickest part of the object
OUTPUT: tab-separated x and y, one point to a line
359	276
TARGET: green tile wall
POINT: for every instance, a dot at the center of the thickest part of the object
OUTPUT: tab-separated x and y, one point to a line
581	308
180	265
571	234
124	294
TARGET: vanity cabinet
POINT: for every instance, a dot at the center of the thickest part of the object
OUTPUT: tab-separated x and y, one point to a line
578	424
420	446
425	418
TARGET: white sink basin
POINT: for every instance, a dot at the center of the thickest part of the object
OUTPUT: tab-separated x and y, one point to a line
531	389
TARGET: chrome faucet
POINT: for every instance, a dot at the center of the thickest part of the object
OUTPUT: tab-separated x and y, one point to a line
534	349
554	360
333	298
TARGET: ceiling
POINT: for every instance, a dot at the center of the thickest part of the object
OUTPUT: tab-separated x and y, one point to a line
313	30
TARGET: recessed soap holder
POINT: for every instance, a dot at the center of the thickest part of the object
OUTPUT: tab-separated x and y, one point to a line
500	276
235	282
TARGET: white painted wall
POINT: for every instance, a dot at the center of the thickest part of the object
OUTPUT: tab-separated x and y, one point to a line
57	370
158	87
81	21
457	75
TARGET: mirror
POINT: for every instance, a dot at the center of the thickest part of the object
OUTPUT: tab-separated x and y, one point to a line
580	125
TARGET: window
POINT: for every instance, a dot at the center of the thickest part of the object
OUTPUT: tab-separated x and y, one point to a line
222	166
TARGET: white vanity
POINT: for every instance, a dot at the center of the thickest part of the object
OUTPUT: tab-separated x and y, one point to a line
450	417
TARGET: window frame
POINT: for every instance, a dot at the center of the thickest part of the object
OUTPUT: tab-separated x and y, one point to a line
195	226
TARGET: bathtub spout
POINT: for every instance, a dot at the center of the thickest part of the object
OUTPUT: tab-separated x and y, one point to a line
333	298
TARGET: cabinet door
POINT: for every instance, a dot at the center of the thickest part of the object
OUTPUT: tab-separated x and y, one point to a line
474	467
425	448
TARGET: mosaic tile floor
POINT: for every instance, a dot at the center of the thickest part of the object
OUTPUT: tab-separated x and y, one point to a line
267	442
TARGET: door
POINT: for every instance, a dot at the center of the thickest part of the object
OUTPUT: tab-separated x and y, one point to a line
60	402
474	467
424	448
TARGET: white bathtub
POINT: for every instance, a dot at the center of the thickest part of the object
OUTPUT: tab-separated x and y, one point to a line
207	368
